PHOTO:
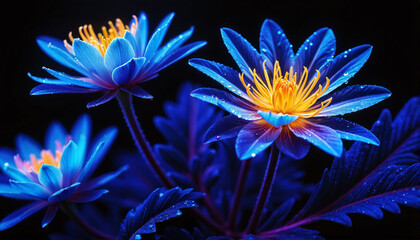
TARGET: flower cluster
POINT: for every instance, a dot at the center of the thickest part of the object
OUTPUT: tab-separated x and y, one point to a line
278	99
56	173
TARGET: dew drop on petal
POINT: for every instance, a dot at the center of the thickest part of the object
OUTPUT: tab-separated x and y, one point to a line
137	237
253	154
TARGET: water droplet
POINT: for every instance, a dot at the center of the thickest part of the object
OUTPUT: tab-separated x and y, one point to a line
151	226
345	74
306	48
137	237
239	116
291	45
253	154
310	44
178	212
345	56
160	194
278	32
186	202
307	40
218	137
405	202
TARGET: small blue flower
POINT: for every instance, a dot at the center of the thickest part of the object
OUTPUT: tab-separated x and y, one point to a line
288	98
120	57
57	172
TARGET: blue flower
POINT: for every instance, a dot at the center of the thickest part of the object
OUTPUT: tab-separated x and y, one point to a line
56	173
288	98
120	57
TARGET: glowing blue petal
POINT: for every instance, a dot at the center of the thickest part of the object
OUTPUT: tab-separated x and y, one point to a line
277	119
91	164
118	53
49	214
11	171
137	91
132	40
354	98
54	88
55	49
228	102
348	130
80	133
128	71
321	136
226	76
47	80
157	37
107	137
244	54
108	96
227	127
51	177
27	146
315	51
254	138
142	34
344	66
72	80
90	57
21	214
88	196
64	193
291	145
275	46
172	45
31	189
103	179
56	134
70	164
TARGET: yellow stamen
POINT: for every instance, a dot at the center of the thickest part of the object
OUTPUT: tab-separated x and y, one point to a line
286	95
101	40
34	165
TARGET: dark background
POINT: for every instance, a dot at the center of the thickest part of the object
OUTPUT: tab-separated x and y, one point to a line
392	27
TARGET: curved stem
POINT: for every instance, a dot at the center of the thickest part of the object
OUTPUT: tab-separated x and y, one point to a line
124	100
239	189
265	190
71	212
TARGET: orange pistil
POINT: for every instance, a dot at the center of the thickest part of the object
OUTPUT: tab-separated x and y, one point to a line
34	164
102	40
284	94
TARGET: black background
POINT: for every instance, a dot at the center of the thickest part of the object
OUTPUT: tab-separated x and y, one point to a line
392	27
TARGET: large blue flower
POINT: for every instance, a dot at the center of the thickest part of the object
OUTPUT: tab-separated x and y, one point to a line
57	172
120	57
288	98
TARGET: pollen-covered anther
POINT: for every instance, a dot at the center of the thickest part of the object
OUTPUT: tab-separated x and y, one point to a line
101	40
285	94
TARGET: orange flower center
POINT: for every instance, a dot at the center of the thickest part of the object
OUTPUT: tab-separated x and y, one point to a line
102	40
285	94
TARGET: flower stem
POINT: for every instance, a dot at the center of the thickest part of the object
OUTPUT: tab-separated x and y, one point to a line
264	191
239	189
71	212
125	102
